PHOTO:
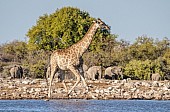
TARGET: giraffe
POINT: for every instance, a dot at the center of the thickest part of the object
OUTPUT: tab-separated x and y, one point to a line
71	57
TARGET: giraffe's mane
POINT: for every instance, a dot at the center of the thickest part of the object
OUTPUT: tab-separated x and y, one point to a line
85	34
61	51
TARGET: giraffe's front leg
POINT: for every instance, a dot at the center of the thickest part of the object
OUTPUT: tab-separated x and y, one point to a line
53	70
49	90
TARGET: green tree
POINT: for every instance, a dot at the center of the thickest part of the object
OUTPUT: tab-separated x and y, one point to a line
17	50
144	48
99	52
166	57
36	63
65	27
162	47
61	29
139	69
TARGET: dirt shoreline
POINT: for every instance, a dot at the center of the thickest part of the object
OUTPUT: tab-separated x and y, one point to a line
100	89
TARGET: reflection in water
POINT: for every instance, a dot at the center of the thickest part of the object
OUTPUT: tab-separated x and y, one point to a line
74	105
64	105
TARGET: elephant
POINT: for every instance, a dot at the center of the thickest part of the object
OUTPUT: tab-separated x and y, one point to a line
93	73
16	71
59	75
85	67
167	75
156	77
113	72
82	69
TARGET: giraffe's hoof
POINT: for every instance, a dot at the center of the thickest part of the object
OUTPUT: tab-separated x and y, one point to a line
66	96
46	100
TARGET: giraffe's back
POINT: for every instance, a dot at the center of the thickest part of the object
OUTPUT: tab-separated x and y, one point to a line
65	58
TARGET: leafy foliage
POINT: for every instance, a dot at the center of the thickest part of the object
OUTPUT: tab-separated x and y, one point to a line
138	69
68	25
59	30
15	50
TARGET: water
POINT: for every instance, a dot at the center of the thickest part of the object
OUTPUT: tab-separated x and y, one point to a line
74	105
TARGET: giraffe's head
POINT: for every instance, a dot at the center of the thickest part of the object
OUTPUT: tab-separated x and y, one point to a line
101	24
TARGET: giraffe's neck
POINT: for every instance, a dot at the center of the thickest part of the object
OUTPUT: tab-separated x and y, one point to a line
84	43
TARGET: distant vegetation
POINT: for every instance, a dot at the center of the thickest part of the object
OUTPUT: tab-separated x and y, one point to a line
67	26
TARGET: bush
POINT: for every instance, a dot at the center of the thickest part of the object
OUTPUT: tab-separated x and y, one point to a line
137	69
37	70
35	63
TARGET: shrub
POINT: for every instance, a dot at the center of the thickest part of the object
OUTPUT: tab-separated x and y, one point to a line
137	69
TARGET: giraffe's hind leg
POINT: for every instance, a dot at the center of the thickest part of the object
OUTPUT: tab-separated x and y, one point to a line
84	82
64	84
62	78
77	74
